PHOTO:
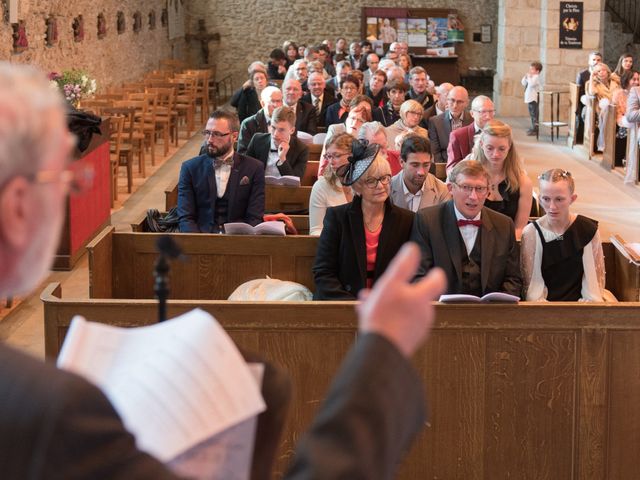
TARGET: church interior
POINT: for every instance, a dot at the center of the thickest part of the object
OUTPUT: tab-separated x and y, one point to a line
536	389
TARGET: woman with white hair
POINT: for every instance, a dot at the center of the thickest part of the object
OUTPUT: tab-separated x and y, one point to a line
375	133
410	116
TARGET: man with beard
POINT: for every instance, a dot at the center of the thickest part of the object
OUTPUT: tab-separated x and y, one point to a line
220	186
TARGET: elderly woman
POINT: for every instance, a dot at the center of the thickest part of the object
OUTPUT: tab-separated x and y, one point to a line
561	253
360	238
390	112
510	189
327	191
375	134
410	116
247	99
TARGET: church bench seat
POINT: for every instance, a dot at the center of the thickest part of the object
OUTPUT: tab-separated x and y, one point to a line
534	387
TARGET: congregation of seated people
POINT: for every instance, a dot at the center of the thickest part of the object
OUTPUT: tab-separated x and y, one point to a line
401	159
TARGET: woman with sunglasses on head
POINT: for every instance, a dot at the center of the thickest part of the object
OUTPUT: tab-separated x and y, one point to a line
360	238
510	189
327	191
561	254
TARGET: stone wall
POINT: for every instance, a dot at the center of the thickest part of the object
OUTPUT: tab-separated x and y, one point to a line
110	60
250	29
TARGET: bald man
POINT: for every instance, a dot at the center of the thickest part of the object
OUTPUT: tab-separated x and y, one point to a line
441	126
461	141
306	116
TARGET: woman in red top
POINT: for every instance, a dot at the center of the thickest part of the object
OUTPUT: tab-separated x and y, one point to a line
360	238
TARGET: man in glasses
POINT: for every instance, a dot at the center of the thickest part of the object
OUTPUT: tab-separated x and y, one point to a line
441	126
475	246
55	424
220	186
461	140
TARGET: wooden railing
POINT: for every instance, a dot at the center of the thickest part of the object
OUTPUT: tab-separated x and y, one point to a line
628	12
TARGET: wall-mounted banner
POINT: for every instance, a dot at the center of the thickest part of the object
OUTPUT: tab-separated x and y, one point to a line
571	24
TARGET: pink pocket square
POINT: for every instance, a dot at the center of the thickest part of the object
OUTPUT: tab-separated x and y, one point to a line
244	181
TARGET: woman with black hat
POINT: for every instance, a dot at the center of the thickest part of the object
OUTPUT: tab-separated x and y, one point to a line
360	238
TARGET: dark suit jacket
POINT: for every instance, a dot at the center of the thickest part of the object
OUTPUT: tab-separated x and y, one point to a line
428	113
426	100
306	118
297	155
250	126
581	80
436	231
331	116
328	98
340	268
439	131
57	425
349	441
246	102
460	144
197	193
332	83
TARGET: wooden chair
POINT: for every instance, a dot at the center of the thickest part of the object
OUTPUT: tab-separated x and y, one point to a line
120	156
166	113
146	120
202	91
135	137
96	105
186	100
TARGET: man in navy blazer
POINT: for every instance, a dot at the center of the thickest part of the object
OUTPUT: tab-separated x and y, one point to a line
441	126
220	186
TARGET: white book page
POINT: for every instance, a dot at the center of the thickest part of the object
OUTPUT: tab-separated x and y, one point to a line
174	384
238	228
228	454
273	227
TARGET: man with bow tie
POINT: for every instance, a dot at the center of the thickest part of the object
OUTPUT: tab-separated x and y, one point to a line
220	186
475	246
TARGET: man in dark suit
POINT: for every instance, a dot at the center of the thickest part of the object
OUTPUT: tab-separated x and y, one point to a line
475	246
461	140
440	105
306	117
271	98
356	59
441	126
319	96
280	151
343	68
220	186
419	90
581	80
57	425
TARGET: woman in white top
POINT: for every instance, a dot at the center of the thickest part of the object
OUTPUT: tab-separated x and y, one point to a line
561	253
327	191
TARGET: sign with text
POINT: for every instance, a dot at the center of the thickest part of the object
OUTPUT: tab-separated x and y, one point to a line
571	14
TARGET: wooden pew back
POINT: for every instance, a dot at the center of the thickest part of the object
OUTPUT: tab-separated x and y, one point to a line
121	263
533	388
590	116
574	101
609	152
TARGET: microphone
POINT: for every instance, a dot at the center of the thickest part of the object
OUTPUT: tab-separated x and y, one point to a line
168	248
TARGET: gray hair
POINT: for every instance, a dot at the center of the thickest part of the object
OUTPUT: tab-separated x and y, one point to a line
369	130
29	105
266	93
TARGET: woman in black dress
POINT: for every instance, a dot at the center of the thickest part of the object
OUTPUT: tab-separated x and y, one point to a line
247	98
561	253
510	189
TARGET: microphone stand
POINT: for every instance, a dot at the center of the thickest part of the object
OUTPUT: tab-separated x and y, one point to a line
167	248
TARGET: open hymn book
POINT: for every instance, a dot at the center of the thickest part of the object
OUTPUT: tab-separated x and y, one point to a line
181	387
493	297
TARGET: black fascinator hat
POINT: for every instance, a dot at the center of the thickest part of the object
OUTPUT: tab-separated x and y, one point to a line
362	156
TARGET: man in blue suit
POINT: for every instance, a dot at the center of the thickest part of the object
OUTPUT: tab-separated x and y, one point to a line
220	186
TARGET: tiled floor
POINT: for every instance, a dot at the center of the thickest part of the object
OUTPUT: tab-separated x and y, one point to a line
601	195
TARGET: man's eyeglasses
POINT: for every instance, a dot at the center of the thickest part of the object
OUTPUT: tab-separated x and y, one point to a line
485	112
77	179
211	133
468	189
373	182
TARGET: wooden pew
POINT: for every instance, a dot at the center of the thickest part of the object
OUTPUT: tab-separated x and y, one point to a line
310	173
574	102
609	151
590	136
514	391
121	263
277	198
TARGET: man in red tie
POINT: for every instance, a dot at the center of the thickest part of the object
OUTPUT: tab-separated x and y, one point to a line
475	246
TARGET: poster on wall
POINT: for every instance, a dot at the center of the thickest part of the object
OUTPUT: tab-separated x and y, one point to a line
571	14
437	32
455	29
417	28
